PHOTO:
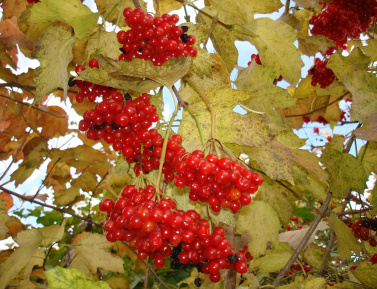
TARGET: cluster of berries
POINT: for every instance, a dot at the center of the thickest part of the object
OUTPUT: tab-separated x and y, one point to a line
342	19
32	1
152	225
298	267
321	74
362	230
156	39
294	220
220	182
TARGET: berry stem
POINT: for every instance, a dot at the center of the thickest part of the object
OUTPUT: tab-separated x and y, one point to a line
250	110
146	277
207	101
165	143
191	112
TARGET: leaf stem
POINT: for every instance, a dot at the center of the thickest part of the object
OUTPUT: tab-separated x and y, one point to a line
207	102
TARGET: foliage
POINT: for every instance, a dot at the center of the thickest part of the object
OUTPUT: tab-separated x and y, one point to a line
319	190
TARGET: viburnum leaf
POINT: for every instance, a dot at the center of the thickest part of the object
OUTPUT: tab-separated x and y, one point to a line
251	220
266	95
369	129
271	261
4	56
53	126
62	278
181	196
67	196
366	273
369	151
106	43
8	200
71	12
310	45
94	252
223	217
352	71
29	241
231	127
314	283
165	6
371	49
14	226
347	242
11	36
313	256
137	75
294	238
87	181
294	285
310	4
275	45
278	197
54	52
310	162
346	172
12	8
112	10
4	218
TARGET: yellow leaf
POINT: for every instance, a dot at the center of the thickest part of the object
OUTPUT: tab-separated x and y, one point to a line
251	220
94	252
347	242
68	196
275	45
106	43
369	129
366	273
314	256
8	200
71	12
271	261
165	6
310	45
54	52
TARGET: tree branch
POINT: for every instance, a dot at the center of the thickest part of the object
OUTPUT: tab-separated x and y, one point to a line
28	86
313	111
28	199
303	242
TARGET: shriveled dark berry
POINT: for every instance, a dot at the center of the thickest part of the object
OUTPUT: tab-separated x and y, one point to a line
199	267
366	223
185	38
115	126
198	282
232	258
373	225
127	96
184	29
71	81
123	51
176	251
151	148
175	264
99	127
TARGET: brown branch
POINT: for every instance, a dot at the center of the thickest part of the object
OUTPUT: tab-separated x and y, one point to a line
136	3
313	111
15	155
227	26
28	198
28	86
353	212
286	8
146	277
29	105
303	242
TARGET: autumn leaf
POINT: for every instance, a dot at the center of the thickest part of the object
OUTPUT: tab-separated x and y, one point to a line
271	261
54	52
8	200
165	6
71	12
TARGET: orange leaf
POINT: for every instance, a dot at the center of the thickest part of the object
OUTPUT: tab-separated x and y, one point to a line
14	226
13	8
8	200
78	237
53	126
4	125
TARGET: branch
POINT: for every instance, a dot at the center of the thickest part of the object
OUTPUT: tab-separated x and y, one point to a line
303	242
27	198
28	86
286	8
28	104
146	277
227	26
313	111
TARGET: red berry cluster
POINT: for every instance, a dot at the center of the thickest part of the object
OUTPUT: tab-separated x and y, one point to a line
32	1
153	225
342	19
362	230
156	39
321	74
373	259
220	182
303	267
257	59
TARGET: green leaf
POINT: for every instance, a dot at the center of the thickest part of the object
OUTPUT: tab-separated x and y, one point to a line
94	252
369	129
369	151
305	213
366	273
266	95
374	199
347	242
182	197
71	12
67	196
251	219
346	171
352	71
275	45
224	217
105	43
137	75
29	241
60	278
272	261
54	52
121	166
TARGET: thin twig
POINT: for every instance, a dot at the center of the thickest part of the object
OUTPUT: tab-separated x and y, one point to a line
313	111
146	277
304	241
136	3
28	86
15	155
33	107
28	198
286	8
